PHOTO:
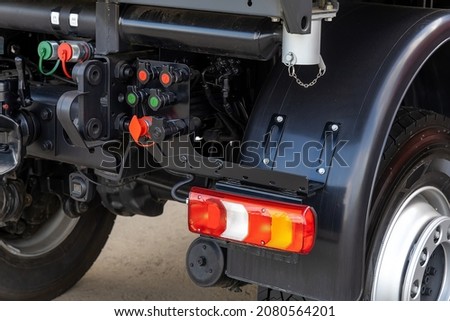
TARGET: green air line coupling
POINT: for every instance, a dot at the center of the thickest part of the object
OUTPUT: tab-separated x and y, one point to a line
132	99
48	50
154	102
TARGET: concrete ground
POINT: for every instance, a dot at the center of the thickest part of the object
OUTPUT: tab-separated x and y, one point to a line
144	259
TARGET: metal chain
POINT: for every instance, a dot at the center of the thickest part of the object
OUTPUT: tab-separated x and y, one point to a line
293	74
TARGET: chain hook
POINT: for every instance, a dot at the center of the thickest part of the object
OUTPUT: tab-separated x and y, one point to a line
290	58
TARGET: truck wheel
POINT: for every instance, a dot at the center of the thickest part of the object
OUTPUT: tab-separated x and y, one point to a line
267	294
409	255
54	257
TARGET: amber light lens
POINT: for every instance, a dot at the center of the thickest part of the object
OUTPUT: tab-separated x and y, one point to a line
275	225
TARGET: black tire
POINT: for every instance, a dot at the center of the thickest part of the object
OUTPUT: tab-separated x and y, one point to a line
48	275
267	294
411	204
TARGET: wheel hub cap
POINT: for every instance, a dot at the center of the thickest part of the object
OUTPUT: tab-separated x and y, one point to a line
428	266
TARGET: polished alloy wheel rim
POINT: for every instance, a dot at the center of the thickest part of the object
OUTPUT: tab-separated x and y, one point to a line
414	258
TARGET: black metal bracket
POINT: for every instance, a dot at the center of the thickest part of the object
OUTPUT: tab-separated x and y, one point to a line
64	113
329	144
107	27
179	155
297	15
92	109
272	139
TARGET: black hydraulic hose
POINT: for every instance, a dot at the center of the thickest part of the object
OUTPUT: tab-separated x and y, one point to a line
162	186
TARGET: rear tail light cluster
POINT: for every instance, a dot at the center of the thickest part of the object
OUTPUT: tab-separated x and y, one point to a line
275	225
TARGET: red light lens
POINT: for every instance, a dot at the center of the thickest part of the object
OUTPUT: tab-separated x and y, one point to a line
259	228
207	216
276	225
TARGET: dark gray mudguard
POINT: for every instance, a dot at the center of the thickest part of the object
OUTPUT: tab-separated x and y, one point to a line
372	54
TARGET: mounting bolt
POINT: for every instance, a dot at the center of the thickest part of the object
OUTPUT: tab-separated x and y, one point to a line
82	207
335	127
329	6
426	291
266	161
219	164
321	171
289	57
46	114
430	270
201	261
279	119
28	200
47	145
183	159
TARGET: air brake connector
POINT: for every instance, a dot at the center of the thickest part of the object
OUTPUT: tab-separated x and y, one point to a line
147	129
